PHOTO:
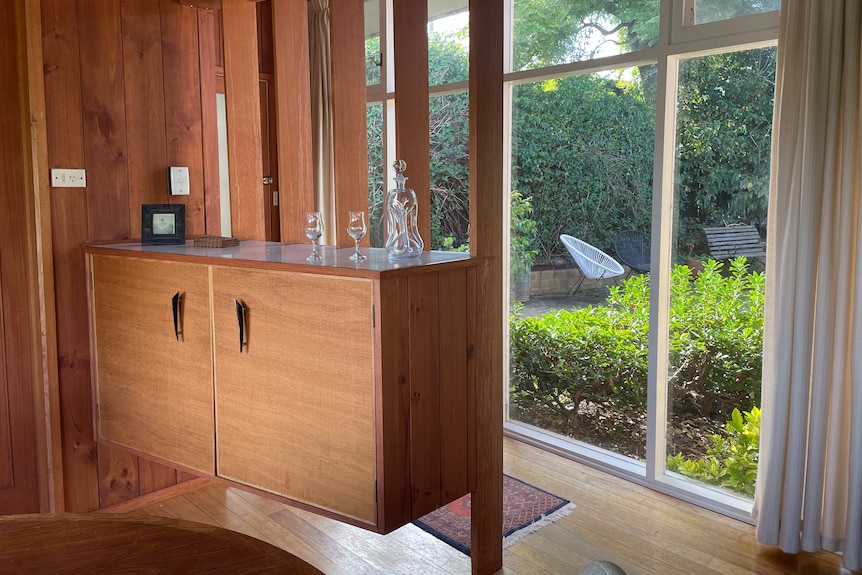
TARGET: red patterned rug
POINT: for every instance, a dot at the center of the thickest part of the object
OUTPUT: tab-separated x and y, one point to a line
525	510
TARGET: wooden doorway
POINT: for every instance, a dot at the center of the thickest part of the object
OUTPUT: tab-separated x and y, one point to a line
269	154
19	474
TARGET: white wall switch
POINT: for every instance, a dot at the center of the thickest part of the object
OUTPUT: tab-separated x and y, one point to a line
178	180
68	178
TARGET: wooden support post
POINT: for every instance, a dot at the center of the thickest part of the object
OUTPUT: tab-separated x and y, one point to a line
412	143
242	100
486	224
293	113
35	190
350	138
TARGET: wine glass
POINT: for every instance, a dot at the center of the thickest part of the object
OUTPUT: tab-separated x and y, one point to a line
313	230
356	228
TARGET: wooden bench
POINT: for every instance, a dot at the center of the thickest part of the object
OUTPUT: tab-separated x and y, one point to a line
727	242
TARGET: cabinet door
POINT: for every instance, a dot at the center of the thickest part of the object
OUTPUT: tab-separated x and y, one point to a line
154	386
295	400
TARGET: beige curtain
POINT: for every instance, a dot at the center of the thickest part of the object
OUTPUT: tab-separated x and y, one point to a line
321	115
809	489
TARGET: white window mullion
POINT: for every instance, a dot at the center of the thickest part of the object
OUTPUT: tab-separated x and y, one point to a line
662	243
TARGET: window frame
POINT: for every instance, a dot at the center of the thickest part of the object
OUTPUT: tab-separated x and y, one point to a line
676	42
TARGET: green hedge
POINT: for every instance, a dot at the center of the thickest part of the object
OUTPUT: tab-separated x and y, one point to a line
598	355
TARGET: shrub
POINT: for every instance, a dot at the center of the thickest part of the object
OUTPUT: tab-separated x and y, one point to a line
567	360
732	459
561	359
523	232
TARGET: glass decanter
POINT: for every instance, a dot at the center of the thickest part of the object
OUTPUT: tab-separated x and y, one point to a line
402	233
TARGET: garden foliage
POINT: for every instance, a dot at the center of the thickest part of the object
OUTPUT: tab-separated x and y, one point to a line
572	367
732	459
583	145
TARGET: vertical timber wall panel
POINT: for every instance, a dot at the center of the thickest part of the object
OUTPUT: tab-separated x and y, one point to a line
63	111
350	146
411	104
109	193
207	56
454	384
242	97
183	117
125	98
293	113
105	153
145	107
394	399
423	296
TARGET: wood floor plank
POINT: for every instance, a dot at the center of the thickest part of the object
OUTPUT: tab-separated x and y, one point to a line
337	558
643	531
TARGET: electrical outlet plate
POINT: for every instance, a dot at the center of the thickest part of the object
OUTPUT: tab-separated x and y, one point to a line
68	178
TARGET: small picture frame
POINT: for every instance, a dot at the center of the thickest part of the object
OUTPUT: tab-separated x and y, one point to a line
163	224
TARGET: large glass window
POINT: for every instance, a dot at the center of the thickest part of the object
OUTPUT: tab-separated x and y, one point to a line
550	32
448	49
724	132
705	11
637	344
450	171
373	54
582	166
632	140
376	176
448	107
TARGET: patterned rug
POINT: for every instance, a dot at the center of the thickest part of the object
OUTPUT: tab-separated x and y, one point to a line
525	510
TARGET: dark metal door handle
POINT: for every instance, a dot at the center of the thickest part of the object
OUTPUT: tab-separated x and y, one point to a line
240	320
176	302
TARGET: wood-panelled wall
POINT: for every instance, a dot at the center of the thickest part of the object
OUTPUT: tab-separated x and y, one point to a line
21	430
123	101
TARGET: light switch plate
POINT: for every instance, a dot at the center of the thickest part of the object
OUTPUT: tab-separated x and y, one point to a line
178	180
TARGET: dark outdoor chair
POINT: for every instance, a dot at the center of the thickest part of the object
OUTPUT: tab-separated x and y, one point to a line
633	249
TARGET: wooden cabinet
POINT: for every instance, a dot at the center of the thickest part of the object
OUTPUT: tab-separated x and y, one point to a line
345	389
295	410
154	383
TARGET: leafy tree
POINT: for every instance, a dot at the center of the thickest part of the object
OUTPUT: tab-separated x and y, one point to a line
548	32
583	145
583	149
372	60
714	10
449	140
724	119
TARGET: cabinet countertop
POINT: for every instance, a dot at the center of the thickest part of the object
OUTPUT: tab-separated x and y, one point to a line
273	255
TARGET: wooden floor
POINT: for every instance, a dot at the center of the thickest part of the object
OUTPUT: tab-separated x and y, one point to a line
644	532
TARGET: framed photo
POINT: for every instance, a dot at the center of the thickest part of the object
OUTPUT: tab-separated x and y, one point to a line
163	224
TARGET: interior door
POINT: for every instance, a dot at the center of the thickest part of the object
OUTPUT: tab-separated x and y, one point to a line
19	488
19	484
269	154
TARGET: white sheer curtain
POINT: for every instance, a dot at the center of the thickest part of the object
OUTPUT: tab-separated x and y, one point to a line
321	114
809	489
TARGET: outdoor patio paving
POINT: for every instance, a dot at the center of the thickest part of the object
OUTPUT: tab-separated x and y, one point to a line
540	304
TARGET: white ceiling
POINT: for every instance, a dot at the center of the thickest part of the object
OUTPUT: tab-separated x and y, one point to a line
436	9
